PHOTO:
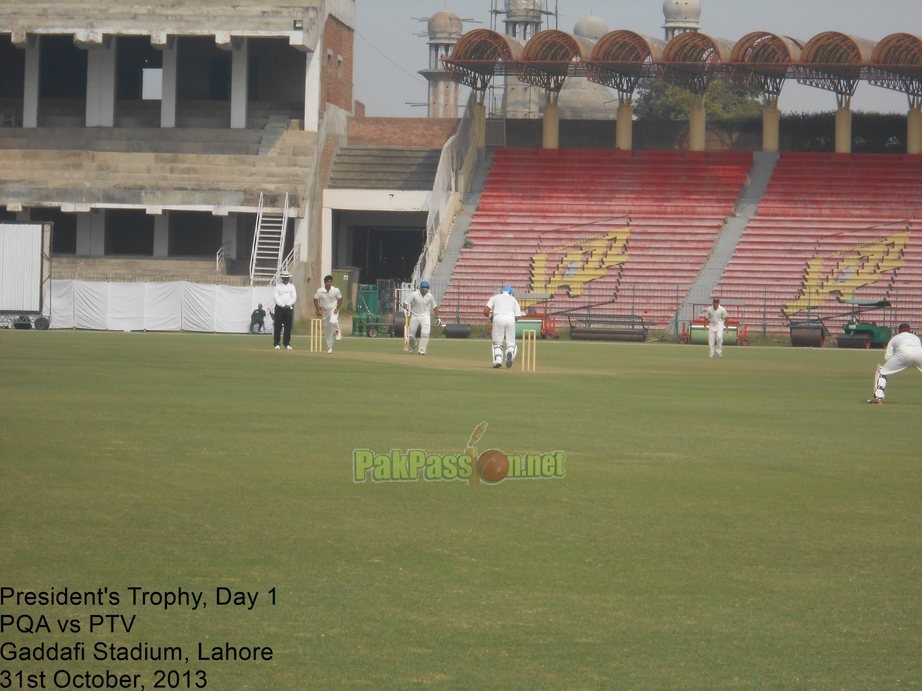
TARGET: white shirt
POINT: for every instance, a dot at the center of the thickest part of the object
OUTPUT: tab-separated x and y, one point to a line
420	305
504	303
903	341
328	299
285	294
716	317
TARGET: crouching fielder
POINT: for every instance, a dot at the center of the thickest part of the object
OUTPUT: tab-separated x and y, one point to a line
903	351
504	311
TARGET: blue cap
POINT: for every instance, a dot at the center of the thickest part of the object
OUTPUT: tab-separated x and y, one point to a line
507	289
424	284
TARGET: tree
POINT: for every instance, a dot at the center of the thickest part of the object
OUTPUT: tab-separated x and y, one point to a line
657	100
729	107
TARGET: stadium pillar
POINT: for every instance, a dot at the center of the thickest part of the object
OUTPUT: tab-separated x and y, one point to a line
624	131
696	123
770	120
914	130
844	131
170	80
551	134
240	63
480	122
100	84
32	79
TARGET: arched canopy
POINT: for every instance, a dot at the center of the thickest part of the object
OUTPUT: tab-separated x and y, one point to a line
620	58
834	61
479	54
551	56
896	63
691	60
764	58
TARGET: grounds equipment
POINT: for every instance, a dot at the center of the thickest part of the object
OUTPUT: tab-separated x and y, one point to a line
695	331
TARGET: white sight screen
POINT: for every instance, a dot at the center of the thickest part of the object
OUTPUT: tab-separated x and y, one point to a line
20	267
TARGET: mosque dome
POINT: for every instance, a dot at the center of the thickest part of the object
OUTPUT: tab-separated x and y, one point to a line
445	24
682	13
581	99
591	27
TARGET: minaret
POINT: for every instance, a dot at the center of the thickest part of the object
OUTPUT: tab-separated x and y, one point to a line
523	20
681	16
444	30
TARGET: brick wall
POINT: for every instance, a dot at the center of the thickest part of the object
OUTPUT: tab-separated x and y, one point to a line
337	55
408	133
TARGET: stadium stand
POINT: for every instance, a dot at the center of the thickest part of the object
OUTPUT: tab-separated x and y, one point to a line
596	226
831	228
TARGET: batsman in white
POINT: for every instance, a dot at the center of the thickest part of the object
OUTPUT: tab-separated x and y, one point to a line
716	316
503	310
903	351
420	303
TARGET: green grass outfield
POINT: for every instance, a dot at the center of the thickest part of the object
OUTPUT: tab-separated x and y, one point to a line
737	523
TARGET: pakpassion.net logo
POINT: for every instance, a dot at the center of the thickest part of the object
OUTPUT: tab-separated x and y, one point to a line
491	466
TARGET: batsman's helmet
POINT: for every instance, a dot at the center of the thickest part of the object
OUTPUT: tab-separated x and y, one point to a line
507	289
424	284
903	327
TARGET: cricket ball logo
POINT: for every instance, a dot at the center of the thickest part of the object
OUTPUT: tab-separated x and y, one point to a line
492	466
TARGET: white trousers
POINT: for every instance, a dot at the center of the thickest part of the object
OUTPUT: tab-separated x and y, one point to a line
503	330
902	359
330	327
716	339
424	324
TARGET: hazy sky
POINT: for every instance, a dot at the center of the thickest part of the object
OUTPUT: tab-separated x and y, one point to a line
388	53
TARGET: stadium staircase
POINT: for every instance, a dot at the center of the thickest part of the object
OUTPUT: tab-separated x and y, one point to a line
268	244
557	221
829	228
460	225
731	232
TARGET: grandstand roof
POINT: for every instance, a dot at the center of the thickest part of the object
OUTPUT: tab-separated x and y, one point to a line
692	59
619	57
551	56
834	61
764	58
896	63
830	60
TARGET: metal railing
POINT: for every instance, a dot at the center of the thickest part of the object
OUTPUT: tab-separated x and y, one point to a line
288	262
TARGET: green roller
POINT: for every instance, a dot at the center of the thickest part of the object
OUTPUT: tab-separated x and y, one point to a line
699	334
527	325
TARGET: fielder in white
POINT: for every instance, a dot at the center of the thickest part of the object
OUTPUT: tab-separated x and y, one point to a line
503	310
716	316
420	303
327	301
903	351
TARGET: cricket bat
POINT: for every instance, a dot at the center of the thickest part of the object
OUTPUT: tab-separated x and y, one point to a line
471	451
406	331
